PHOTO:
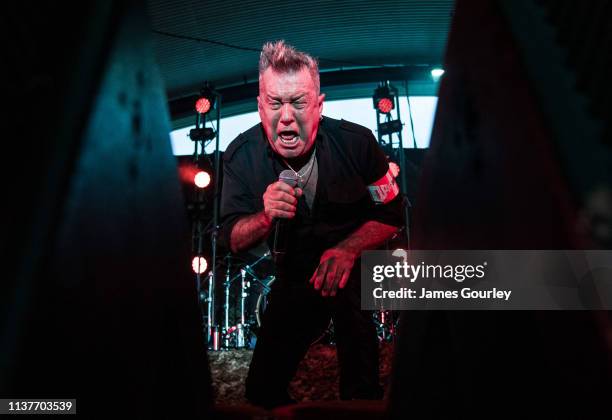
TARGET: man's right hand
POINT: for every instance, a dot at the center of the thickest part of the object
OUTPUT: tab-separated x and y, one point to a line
280	201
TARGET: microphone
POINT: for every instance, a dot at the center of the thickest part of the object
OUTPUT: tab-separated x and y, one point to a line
280	230
288	177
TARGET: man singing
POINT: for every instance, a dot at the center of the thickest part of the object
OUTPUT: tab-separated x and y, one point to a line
345	201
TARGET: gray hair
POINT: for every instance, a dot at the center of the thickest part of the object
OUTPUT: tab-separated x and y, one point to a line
284	58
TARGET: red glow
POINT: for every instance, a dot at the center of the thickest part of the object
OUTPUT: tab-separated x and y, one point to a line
385	105
202	179
202	105
199	265
394	168
188	171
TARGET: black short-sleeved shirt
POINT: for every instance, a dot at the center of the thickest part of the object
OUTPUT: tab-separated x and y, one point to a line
349	159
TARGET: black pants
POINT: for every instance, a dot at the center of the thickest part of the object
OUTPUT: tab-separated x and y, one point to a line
296	315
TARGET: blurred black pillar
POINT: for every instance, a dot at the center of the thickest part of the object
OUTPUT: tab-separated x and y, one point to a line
502	173
99	302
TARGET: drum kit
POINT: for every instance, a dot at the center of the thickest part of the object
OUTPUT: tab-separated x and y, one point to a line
244	291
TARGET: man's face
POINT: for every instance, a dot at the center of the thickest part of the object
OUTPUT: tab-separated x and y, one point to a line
290	110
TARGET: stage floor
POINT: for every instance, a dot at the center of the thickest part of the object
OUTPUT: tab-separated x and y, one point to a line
316	378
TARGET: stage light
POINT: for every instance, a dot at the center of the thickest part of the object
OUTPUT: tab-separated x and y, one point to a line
383	100
199	264
385	105
202	179
202	105
437	73
206	101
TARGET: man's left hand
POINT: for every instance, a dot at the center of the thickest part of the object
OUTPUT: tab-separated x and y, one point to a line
333	272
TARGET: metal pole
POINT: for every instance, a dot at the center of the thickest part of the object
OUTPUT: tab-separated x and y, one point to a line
197	234
406	202
209	311
215	231
240	331
242	295
226	304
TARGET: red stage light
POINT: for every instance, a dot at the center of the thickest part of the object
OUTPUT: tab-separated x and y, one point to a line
202	179
385	105
199	265
202	105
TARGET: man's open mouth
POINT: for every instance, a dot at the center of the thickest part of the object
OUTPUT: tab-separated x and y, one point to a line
288	137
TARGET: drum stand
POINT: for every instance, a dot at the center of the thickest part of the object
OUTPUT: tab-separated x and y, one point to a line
240	328
226	287
211	328
240	331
